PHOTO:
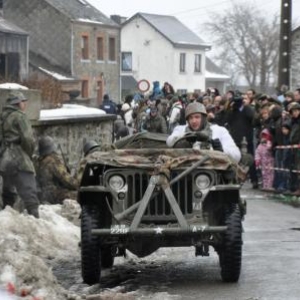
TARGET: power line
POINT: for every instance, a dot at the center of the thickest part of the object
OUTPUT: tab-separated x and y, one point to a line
202	7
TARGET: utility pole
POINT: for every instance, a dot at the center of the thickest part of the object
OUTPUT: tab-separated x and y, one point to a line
285	43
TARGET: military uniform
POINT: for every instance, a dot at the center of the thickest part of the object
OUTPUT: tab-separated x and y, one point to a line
16	164
54	182
90	151
155	124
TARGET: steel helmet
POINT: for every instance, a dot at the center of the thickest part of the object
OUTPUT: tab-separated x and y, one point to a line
88	146
46	146
193	108
16	97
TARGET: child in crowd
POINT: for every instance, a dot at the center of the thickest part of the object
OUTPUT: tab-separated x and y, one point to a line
264	159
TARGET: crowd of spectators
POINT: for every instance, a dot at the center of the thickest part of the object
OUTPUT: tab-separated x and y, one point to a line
270	126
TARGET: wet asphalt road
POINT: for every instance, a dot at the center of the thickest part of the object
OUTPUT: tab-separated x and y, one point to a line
270	268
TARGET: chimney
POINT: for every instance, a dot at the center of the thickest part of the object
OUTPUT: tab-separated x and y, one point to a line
117	18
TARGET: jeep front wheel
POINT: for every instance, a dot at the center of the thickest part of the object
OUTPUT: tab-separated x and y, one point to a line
90	246
230	254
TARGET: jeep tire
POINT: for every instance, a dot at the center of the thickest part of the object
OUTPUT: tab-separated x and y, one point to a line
90	245
230	254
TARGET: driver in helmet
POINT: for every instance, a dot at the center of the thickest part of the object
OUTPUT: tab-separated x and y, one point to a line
218	137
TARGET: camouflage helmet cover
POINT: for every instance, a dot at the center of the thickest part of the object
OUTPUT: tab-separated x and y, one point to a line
88	146
46	145
193	108
16	97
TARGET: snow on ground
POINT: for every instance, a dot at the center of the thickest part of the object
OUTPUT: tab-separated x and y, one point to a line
27	245
40	260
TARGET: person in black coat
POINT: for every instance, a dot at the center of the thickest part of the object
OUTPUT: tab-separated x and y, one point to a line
108	105
240	125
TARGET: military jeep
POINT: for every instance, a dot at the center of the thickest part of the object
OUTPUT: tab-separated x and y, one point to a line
142	195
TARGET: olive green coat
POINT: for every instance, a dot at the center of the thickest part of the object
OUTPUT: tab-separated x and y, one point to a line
17	137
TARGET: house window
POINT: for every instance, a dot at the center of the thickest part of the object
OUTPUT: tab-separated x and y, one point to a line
182	62
197	63
112	49
126	61
100	49
85	88
85	47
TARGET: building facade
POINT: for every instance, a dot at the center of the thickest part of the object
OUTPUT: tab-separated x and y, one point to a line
160	48
73	42
13	52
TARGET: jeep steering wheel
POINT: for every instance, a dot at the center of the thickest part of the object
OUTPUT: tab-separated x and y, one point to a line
190	138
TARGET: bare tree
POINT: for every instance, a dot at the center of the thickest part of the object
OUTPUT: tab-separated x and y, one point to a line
248	42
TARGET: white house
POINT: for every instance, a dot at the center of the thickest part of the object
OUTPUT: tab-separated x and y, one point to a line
215	77
161	48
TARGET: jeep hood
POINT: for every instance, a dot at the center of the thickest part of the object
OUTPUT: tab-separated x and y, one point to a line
151	159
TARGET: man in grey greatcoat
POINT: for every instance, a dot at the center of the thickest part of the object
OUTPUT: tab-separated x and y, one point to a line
17	147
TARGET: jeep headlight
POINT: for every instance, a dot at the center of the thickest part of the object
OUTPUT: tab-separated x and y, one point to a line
116	182
202	181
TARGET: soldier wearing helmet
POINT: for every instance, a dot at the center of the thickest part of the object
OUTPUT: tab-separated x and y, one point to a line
91	150
90	147
219	137
17	147
55	184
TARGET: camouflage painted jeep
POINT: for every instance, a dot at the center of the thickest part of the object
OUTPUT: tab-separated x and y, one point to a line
142	196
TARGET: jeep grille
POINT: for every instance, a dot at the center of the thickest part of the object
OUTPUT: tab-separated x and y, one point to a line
159	206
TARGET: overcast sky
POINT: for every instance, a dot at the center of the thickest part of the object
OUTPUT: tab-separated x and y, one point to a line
192	13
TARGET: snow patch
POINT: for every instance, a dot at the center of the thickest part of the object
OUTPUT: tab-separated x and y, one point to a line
56	75
210	75
27	245
70	111
13	86
89	21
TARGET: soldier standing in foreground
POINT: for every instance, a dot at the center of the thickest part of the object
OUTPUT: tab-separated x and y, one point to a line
17	147
54	182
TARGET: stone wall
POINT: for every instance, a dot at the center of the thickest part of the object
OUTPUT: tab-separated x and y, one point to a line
72	134
295	60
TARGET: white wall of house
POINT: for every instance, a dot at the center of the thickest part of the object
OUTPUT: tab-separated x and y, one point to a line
155	58
189	80
220	85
